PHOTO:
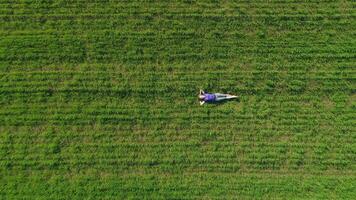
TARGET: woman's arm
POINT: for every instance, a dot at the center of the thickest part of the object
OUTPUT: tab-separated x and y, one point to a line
202	102
201	92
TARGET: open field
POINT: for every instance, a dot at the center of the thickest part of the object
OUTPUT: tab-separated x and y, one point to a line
98	99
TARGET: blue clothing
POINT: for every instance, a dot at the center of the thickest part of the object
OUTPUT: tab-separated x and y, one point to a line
209	97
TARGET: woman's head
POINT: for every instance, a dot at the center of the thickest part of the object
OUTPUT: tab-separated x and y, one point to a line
201	97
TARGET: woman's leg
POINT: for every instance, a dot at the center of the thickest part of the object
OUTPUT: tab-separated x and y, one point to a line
220	97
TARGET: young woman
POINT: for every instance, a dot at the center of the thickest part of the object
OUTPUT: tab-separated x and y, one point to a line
215	97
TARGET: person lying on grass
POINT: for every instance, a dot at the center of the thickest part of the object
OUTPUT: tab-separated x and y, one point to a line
212	98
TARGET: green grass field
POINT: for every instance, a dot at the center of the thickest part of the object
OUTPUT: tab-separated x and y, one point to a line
98	99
